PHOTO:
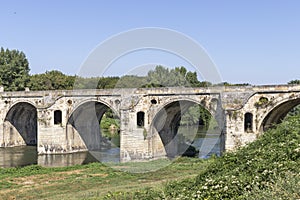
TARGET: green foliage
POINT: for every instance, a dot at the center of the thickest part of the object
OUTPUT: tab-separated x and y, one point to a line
14	70
233	84
263	102
294	82
107	82
108	120
158	77
86	83
164	77
265	169
284	187
51	80
130	81
195	115
294	112
145	133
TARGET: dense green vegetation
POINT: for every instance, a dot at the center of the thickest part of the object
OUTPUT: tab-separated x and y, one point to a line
159	77
110	122
294	82
14	69
51	80
265	169
196	115
294	112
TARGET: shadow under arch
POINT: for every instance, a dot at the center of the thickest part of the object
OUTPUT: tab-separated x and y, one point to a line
165	126
85	120
277	114
20	125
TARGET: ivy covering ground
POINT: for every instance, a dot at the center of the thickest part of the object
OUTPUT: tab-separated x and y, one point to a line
268	168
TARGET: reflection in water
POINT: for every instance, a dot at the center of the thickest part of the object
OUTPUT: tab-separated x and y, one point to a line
206	143
208	146
18	156
109	155
79	158
27	155
61	160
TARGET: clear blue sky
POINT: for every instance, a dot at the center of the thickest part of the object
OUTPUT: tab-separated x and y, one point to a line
255	41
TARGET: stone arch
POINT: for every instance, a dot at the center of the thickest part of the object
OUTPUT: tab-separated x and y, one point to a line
84	128
76	105
164	127
188	99
20	125
277	113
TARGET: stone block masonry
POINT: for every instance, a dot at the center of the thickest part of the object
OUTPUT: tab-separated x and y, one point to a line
68	121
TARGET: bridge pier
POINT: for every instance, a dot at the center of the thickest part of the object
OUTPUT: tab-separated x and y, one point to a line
236	136
52	134
134	144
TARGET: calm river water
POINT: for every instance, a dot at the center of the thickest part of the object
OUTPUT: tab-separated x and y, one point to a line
27	155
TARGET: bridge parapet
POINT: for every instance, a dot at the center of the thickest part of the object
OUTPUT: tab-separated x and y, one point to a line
247	109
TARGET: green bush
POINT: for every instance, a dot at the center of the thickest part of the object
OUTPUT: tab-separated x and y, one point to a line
265	169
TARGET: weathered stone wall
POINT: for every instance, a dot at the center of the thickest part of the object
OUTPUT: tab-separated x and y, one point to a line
145	142
260	102
141	141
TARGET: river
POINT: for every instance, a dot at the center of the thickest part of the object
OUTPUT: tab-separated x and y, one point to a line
27	155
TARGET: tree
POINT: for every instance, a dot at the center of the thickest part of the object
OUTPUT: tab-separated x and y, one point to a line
192	79
159	77
107	82
296	82
294	111
196	115
232	84
14	70
51	80
131	81
179	76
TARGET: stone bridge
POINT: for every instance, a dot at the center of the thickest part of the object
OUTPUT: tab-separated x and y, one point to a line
68	121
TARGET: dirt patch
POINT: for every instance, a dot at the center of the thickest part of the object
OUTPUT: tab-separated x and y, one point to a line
121	167
78	171
36	180
99	175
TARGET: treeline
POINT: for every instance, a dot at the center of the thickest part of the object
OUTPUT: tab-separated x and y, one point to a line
159	77
14	76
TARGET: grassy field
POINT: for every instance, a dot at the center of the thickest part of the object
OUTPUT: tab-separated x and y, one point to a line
93	180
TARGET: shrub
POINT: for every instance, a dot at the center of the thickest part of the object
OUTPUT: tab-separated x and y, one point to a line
264	169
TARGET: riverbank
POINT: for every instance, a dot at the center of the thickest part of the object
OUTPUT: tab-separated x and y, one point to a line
265	169
94	179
